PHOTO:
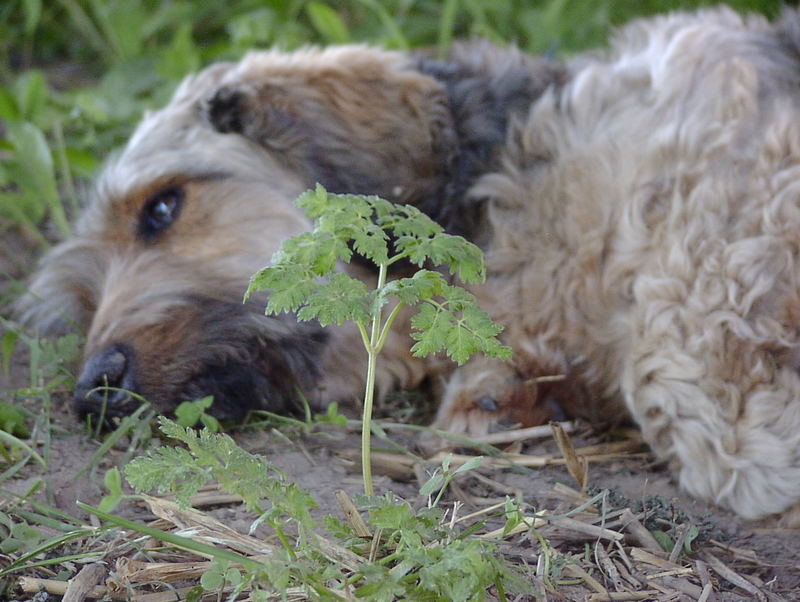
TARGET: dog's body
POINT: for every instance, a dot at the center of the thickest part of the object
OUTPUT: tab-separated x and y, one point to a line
640	212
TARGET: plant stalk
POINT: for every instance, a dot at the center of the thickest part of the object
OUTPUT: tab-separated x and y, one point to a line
369	392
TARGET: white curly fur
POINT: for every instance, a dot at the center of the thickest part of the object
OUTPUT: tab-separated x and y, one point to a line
645	238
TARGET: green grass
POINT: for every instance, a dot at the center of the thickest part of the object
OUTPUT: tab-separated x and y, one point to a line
76	75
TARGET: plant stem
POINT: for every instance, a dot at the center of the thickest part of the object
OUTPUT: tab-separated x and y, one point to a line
282	537
445	483
388	325
366	421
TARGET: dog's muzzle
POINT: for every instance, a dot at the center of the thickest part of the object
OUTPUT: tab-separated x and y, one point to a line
106	385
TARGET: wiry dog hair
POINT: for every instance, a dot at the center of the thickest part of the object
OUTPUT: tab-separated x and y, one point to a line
203	193
639	208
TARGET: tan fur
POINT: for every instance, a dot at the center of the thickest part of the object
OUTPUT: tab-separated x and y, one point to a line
640	220
238	208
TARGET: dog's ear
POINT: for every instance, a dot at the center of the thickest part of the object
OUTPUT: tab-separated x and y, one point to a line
354	119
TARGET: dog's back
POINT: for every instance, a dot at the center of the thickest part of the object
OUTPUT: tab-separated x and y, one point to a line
645	238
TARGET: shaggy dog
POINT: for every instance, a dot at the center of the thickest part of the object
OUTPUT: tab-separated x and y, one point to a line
639	208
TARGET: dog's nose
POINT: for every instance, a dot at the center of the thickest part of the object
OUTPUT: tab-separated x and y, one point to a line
106	383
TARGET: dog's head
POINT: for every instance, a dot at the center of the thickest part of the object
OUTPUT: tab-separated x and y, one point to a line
201	197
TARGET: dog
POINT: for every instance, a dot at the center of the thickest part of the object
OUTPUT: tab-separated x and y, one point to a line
639	208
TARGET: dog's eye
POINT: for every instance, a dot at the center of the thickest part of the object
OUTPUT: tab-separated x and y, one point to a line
160	211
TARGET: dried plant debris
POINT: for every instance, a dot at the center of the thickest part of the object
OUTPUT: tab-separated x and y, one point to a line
595	544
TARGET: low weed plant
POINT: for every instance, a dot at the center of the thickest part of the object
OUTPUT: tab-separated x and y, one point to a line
409	554
303	279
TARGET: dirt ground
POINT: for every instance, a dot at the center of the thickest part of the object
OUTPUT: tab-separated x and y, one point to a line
325	461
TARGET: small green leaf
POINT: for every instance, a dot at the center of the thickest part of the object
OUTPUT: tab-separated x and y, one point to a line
328	23
214	578
113	480
210	423
423	285
31	92
371	242
181	56
81	162
342	298
195	594
461	257
193	413
432	485
33	161
113	483
12	420
233	576
332	415
513	515
9	110
33	14
470	464
693	534
663	539
187	413
32	166
428	325
289	286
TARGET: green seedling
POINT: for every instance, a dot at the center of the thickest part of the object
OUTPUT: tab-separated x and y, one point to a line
303	278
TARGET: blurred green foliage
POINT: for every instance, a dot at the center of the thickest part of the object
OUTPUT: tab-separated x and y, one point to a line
76	75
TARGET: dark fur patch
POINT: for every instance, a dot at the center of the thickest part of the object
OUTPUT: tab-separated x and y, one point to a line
481	97
223	110
251	362
484	96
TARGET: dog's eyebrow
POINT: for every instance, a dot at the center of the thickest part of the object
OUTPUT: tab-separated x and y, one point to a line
203	176
180	179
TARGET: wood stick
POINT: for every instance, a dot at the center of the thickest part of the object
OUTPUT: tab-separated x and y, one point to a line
588	529
32	585
705	595
532	432
83	583
640	555
732	576
573	570
350	512
675	554
638	531
610	570
576	465
611	596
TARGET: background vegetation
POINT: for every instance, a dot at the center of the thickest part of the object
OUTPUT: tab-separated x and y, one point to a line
76	75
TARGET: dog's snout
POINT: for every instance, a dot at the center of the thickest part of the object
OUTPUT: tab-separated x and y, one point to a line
106	382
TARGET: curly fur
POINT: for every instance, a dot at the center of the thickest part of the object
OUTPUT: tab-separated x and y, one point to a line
644	241
639	208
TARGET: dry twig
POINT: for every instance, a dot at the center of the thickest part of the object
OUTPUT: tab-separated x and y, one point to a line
82	584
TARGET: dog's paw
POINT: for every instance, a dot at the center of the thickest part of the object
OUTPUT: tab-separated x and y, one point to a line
489	396
519	406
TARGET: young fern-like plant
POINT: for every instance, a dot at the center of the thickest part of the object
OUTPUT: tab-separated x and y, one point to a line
303	279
